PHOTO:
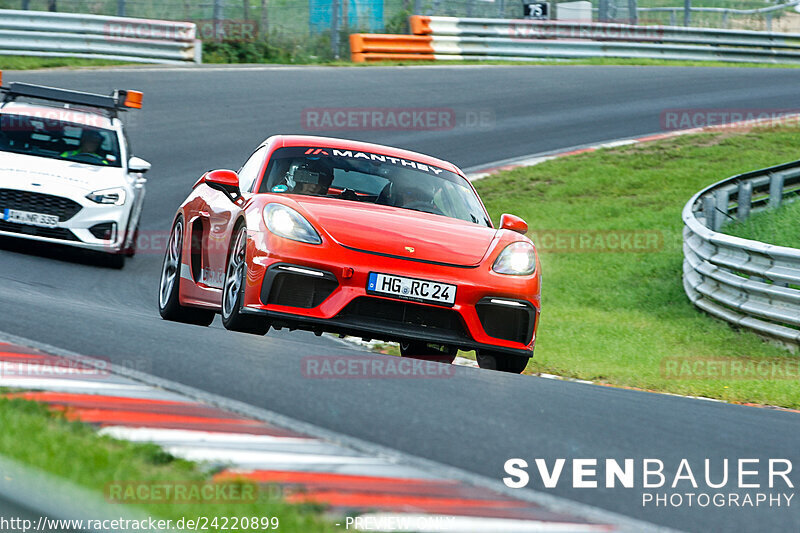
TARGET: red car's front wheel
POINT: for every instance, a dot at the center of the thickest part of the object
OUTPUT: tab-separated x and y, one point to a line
233	289
513	364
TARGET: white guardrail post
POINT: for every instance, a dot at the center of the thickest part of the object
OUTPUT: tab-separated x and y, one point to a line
483	38
747	283
41	33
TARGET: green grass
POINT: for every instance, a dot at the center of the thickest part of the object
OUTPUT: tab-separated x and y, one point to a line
613	317
29	63
73	451
778	226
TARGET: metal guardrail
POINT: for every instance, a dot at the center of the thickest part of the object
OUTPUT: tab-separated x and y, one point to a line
36	33
451	38
747	283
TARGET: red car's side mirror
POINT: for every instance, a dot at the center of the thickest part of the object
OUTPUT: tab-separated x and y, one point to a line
226	181
514	223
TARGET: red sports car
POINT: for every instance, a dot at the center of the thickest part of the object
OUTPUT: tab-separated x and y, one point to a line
353	238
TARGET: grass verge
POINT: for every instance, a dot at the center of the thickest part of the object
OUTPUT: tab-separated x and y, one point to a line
31	63
779	226
614	317
35	436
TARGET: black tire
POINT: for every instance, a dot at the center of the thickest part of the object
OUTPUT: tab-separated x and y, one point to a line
233	289
130	251
115	261
429	352
513	364
169	306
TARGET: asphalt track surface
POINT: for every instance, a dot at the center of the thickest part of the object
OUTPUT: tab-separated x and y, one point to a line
197	120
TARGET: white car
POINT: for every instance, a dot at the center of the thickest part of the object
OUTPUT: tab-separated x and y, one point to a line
67	174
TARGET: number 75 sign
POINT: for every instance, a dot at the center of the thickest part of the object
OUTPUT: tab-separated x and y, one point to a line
537	10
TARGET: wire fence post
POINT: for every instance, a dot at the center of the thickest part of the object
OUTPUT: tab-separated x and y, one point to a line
263	23
26	4
51	5
602	10
633	12
687	13
335	28
120	8
219	15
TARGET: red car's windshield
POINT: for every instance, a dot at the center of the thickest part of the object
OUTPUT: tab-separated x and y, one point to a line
375	178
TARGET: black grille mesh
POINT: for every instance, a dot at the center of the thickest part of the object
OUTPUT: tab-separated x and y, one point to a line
35	202
406	314
296	290
507	323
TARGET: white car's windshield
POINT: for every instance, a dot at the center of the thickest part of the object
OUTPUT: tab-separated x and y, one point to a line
374	178
57	139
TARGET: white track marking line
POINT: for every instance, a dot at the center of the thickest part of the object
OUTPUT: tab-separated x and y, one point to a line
66	385
144	434
463	361
250	457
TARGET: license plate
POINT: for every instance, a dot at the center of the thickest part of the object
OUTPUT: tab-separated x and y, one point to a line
411	289
31	219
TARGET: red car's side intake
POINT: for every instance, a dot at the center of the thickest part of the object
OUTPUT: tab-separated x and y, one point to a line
359	239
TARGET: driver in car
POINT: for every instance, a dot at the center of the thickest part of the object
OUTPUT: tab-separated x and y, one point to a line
90	144
310	178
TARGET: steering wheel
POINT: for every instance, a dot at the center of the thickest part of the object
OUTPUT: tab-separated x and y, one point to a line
425	207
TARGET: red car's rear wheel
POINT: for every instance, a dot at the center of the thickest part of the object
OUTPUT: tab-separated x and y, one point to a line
168	300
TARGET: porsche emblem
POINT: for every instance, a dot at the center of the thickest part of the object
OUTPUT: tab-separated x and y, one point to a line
410	249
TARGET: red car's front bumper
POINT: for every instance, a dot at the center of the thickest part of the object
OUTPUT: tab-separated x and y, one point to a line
323	288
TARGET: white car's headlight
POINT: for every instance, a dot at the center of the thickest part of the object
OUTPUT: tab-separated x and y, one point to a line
289	224
114	196
517	259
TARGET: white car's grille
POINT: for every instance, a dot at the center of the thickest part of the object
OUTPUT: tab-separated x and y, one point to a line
35	202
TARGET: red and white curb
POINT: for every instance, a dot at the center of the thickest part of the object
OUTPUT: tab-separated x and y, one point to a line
484	171
378	494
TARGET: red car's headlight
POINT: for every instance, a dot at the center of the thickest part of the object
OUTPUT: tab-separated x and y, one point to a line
285	222
517	259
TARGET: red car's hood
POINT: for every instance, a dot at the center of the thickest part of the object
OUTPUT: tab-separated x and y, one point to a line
390	230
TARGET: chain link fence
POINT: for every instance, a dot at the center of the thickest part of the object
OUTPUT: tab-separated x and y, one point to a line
313	30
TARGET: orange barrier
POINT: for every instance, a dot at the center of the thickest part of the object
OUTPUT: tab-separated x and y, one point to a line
420	25
363	57
387	47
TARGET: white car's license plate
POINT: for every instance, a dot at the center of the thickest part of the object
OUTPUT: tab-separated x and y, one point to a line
26	217
411	289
